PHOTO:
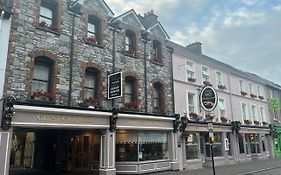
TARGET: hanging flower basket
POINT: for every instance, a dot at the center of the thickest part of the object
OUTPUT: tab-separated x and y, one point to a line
253	95
256	122
224	119
247	122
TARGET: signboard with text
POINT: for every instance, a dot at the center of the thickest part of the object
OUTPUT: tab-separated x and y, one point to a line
114	85
208	98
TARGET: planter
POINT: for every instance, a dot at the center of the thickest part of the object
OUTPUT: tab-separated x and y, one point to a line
192	80
256	122
222	87
224	119
194	116
264	123
207	83
253	95
261	97
247	122
243	93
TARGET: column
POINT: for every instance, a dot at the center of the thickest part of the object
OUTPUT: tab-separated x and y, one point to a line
107	153
5	146
176	146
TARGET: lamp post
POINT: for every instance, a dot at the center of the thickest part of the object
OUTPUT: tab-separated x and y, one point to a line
211	135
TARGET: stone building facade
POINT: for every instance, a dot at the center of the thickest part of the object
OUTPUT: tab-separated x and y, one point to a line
60	54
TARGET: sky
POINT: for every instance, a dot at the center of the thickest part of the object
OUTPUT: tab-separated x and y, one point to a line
245	34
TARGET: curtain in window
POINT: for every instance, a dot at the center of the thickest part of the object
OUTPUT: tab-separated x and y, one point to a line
146	137
40	78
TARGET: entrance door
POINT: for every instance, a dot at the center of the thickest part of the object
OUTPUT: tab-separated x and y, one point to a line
82	152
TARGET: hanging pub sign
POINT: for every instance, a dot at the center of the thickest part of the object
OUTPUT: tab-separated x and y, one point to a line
114	85
208	98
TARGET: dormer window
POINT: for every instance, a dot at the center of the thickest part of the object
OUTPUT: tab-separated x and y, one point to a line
157	55
130	43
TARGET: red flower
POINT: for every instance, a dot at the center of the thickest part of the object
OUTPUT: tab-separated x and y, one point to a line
132	105
221	87
157	59
207	83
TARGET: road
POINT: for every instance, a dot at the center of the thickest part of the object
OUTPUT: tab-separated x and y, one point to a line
269	171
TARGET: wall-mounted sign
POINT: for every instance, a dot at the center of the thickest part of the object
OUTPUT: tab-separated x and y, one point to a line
114	85
208	98
274	104
226	144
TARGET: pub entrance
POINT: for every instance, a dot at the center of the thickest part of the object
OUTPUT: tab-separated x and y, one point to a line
53	150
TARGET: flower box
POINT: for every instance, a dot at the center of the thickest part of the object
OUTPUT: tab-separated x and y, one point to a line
157	59
132	105
159	110
243	93
247	122
264	123
131	52
42	95
90	39
191	80
207	83
89	102
210	117
222	87
224	119
256	122
193	115
44	25
253	95
261	97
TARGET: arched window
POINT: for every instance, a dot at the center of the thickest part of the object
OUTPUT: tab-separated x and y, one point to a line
130	43
130	93
158	98
42	79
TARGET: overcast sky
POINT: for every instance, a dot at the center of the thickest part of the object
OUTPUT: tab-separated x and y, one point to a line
243	33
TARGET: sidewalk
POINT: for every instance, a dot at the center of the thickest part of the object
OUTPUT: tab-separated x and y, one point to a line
234	169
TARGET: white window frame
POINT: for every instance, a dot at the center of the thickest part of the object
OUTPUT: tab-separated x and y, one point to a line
208	73
221	78
241	85
262	118
219	108
246	111
251	88
258	90
192	71
252	114
195	102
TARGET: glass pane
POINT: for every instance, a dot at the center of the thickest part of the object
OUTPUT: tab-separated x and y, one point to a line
91	28
46	20
46	12
90	81
189	66
41	72
39	85
89	93
205	71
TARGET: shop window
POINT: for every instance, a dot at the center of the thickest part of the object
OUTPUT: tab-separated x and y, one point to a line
241	143
130	43
252	143
94	30
141	146
157	53
42	79
130	94
247	143
228	136
48	17
217	145
263	144
191	146
158	105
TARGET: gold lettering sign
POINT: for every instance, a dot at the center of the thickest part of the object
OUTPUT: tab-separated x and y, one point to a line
144	123
64	119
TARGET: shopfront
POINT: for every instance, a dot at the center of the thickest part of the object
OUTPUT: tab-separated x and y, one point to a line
276	136
145	144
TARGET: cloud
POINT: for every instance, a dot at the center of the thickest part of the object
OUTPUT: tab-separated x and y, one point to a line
277	8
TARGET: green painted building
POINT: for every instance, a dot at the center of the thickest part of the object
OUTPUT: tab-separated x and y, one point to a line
276	136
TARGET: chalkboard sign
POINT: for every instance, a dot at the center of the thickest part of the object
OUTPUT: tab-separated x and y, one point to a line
208	98
114	85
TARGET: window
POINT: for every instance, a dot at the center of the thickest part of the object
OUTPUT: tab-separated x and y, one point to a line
130	43
217	145
205	73
48	14
253	110
253	142
251	88
130	97
262	119
191	102
157	97
241	85
141	146
258	91
244	111
41	78
241	143
94	30
219	78
157	56
221	108
271	93
189	70
90	87
191	146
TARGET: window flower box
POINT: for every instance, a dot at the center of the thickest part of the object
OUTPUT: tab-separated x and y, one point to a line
253	95
44	25
194	116
132	105
192	80
159	110
89	102
210	117
131	52
207	83
243	93
90	39
222	87
157	59
224	119
256	122
261	97
42	95
247	122
264	123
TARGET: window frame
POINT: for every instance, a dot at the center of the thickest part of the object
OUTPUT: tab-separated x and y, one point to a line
262	113
53	6
130	44
187	71
160	87
194	102
96	74
207	75
219	108
254	113
246	112
241	85
219	81
157	51
95	37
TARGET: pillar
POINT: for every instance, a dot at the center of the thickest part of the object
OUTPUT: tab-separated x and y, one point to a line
5	146
176	145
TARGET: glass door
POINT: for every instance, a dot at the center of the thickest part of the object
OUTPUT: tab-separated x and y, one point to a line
82	152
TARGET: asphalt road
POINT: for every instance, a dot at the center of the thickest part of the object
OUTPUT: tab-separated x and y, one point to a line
273	171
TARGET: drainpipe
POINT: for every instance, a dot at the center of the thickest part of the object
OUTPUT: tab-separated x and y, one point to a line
71	59
171	50
113	57
145	75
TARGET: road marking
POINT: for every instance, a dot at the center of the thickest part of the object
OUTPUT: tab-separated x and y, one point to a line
258	171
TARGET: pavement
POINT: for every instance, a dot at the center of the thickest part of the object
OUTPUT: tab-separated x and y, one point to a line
256	167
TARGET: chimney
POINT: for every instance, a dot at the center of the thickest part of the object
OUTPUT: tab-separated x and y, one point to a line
195	47
150	17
